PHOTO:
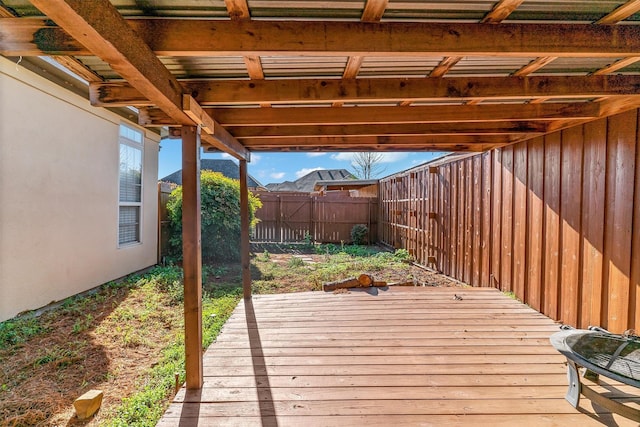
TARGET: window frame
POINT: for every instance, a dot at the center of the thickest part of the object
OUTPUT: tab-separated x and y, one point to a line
125	134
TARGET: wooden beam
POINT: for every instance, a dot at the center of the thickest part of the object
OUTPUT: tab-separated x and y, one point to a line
351	71
183	37
254	67
192	256
294	131
534	65
6	13
389	115
77	67
244	232
211	127
501	10
357	142
444	66
621	63
621	13
238	9
287	91
374	10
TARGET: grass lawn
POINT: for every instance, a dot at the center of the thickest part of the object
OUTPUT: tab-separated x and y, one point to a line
127	337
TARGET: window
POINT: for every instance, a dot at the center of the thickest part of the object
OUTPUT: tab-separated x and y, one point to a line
130	193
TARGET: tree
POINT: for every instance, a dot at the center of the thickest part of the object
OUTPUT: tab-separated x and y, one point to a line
367	165
220	199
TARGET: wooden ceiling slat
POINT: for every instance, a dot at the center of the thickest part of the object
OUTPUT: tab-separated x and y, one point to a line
237	9
444	66
101	28
373	10
288	91
534	65
177	37
621	13
386	115
501	10
612	68
487	128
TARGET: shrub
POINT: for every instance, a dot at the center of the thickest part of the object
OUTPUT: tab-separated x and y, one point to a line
220	198
359	234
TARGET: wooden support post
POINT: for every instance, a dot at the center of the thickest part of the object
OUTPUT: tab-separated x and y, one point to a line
192	256
244	231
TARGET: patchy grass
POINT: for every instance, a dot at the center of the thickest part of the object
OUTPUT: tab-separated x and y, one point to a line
127	338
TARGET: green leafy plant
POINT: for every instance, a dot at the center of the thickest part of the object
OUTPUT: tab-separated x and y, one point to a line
359	234
220	198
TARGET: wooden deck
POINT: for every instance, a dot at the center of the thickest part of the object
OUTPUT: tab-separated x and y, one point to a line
405	356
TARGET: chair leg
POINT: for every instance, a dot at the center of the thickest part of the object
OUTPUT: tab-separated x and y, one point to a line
573	393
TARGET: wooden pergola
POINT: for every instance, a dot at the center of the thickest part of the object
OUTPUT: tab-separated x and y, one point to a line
340	76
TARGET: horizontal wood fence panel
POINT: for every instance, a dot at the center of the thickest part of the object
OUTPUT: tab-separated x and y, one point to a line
291	217
555	220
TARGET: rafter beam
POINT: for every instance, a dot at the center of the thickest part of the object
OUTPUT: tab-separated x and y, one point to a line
294	131
237	9
374	10
501	10
356	143
181	37
444	66
621	13
534	65
101	28
236	92
385	115
440	146
618	65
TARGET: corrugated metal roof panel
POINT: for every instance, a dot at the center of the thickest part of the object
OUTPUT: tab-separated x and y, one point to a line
303	66
487	66
397	67
574	66
311	9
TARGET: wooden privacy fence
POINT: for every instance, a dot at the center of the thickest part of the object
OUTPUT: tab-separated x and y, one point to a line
291	217
556	220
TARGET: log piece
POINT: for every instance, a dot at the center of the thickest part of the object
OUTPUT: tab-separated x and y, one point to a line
87	404
362	281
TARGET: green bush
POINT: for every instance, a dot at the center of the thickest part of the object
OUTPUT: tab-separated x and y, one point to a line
359	234
220	198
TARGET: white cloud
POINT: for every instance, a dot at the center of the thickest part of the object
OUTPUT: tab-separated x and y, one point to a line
315	154
303	172
277	175
255	158
393	157
345	157
386	157
226	156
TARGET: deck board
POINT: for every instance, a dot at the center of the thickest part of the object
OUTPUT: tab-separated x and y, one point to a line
402	356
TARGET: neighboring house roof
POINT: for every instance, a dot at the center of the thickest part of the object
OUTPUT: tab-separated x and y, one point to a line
307	182
226	167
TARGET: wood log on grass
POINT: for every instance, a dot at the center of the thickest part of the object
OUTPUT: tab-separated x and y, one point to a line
362	281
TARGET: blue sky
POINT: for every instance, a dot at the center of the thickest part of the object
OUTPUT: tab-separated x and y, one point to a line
280	167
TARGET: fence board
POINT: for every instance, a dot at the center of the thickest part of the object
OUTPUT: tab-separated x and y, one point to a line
551	266
496	215
556	219
594	172
570	207
326	219
619	218
519	280
507	219
486	221
535	232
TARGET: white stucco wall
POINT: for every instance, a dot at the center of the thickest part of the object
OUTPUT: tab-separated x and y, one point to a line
59	160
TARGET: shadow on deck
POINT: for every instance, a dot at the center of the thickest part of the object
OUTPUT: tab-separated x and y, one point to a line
406	356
